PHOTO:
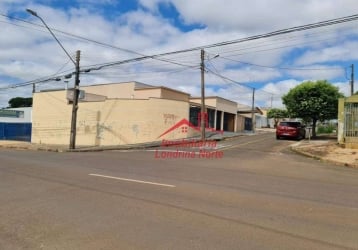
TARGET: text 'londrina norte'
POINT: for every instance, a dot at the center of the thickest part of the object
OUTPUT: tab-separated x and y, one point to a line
189	149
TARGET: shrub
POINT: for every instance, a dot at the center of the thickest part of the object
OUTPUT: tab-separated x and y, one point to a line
326	129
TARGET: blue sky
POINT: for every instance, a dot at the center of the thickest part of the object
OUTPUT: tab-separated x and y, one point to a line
119	30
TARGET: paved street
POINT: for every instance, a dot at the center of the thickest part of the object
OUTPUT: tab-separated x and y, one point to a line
251	192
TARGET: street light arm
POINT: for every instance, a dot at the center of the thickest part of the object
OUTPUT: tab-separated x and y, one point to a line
77	82
32	12
35	14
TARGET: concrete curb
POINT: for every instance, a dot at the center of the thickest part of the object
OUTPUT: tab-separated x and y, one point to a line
297	150
31	147
64	148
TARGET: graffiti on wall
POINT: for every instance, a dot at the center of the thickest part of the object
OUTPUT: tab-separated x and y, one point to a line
170	119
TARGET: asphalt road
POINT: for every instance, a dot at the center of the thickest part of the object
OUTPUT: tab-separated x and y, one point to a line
251	192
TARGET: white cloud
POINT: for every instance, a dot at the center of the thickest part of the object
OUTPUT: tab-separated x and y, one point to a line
257	16
345	87
340	52
31	52
319	72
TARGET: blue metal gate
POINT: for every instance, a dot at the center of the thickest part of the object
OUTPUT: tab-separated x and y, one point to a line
15	131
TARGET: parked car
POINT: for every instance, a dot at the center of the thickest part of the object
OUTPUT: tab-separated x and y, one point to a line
294	130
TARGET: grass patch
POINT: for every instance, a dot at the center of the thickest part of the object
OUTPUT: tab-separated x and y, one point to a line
326	129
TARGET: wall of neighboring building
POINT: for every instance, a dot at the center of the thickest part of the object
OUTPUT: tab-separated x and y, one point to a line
110	122
226	105
15	124
244	122
261	121
218	102
226	112
348	121
16	115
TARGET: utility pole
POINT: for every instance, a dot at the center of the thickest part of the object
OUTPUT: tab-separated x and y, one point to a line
75	102
202	111
76	85
253	111
352	80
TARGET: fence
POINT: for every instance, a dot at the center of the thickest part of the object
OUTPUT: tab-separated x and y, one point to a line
351	122
15	131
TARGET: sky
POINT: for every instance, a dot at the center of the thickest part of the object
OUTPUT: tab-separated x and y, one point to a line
159	42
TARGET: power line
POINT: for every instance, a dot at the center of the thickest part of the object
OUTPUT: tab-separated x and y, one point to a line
96	42
38	81
241	40
285	68
275	33
265	44
158	56
228	79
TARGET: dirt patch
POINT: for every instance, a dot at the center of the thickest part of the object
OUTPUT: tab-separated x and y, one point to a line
328	149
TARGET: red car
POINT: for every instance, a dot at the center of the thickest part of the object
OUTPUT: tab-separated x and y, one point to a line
294	130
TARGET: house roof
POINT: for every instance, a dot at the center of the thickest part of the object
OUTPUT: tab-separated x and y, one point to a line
161	87
213	97
249	110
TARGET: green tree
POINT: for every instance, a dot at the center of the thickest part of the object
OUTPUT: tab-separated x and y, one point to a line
19	102
276	114
314	101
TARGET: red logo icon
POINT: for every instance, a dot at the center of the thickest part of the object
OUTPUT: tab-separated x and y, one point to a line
184	125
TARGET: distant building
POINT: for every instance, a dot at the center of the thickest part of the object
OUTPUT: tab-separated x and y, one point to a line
16	115
245	115
15	124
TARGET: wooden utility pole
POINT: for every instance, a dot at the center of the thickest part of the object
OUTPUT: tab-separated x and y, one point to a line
253	111
202	111
352	80
75	102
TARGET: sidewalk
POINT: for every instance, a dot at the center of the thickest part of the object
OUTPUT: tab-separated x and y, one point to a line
326	148
20	145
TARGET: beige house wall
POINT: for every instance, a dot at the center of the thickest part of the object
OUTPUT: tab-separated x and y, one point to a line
349	142
240	123
161	92
174	95
340	132
135	90
209	101
219	103
147	93
224	105
121	90
227	106
111	122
